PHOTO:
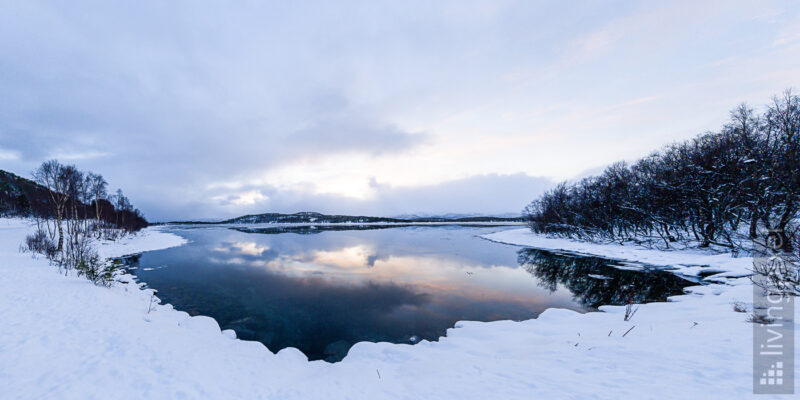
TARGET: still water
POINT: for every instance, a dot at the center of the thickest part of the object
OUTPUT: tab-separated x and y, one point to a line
322	291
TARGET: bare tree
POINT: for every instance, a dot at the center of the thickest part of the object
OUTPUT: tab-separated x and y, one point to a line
75	187
51	174
70	192
720	188
97	189
783	144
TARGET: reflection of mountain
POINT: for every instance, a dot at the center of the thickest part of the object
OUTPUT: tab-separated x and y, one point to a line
322	293
595	283
312	229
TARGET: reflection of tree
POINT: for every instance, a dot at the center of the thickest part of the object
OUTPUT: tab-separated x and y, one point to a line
132	260
618	288
310	229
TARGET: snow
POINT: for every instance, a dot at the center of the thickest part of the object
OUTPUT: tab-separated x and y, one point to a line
66	338
151	239
684	262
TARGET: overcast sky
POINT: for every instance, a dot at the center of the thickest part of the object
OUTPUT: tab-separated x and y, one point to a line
215	109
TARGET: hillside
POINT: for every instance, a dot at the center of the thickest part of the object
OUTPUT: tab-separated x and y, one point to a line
22	197
318	218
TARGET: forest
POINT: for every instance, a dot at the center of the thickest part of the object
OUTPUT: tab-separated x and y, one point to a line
70	208
727	188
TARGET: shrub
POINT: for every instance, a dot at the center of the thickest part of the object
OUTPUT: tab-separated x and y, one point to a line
739	306
759	319
81	256
40	243
78	252
776	263
777	274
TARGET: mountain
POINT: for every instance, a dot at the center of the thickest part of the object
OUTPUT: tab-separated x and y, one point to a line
21	197
318	218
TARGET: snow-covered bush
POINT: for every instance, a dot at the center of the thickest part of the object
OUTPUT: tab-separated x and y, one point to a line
100	273
776	262
40	243
778	275
77	254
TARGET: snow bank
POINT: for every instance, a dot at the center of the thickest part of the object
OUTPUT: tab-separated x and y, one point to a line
65	338
686	262
152	238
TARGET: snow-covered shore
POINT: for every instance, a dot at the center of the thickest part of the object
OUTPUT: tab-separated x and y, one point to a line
715	266
65	338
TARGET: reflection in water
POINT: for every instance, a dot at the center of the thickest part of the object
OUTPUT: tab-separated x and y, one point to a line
594	282
313	229
321	293
310	229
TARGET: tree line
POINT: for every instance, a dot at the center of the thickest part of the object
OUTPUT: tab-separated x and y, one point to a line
71	208
724	188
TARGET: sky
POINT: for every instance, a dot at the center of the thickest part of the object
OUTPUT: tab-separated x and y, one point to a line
204	109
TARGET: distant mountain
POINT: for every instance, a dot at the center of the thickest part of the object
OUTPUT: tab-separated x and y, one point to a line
318	218
450	216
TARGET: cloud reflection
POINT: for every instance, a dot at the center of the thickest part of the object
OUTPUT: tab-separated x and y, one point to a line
322	293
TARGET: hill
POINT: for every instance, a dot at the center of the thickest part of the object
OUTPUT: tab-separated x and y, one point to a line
318	218
22	197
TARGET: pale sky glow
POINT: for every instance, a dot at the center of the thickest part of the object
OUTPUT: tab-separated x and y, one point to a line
216	109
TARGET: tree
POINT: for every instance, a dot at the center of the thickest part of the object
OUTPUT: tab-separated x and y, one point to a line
55	177
782	122
97	188
710	189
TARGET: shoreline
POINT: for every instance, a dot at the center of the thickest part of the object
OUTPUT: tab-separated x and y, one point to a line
474	360
337	224
714	266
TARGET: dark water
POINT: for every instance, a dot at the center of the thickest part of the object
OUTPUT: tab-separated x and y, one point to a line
322	291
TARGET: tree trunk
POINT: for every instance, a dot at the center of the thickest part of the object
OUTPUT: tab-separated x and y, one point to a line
97	212
754	226
60	234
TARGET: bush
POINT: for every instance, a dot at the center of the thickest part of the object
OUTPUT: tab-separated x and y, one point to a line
777	274
776	262
77	254
81	256
99	273
40	243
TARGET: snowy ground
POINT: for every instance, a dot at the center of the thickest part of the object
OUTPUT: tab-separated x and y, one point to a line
685	262
65	338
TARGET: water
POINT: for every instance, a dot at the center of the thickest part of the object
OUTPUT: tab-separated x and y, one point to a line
322	291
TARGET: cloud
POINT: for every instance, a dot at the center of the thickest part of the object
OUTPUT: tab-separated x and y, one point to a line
490	193
157	102
217	109
240	199
494	194
351	135
8	155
